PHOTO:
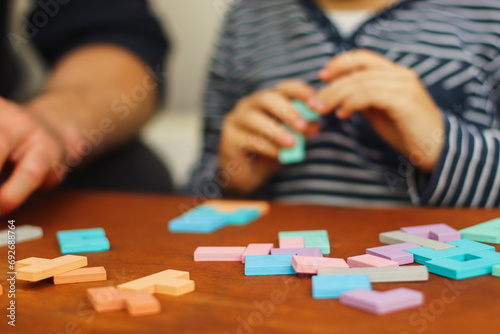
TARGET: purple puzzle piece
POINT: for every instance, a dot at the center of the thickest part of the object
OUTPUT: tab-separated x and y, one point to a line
395	252
382	302
307	251
439	232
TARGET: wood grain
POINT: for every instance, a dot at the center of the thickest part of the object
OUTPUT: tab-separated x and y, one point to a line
225	300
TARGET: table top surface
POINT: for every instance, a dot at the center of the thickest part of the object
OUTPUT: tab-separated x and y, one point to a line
225	300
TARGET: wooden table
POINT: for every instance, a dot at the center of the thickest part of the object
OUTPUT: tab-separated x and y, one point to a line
225	300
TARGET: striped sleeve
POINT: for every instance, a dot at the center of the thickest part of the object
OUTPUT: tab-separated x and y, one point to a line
467	174
220	97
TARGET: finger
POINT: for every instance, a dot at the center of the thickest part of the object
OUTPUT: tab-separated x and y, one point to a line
28	175
378	99
353	61
295	89
249	143
312	130
280	106
332	96
263	125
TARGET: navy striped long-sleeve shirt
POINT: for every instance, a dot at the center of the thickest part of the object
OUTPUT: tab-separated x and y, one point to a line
452	45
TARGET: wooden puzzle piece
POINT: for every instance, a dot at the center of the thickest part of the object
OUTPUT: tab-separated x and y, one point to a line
22	233
305	112
109	299
311	264
333	286
59	265
367	260
198	221
219	253
396	237
296	153
234	205
384	274
439	232
292	242
468	265
30	261
462	247
382	302
312	238
81	275
142	303
496	270
269	265
256	249
485	232
306	251
83	241
169	282
394	252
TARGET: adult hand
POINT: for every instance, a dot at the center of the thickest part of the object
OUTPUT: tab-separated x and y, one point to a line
391	97
28	150
253	134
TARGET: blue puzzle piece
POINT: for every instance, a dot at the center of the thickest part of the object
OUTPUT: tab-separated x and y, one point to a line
485	232
313	238
305	112
83	241
269	265
465	266
199	220
242	216
331	286
496	270
463	246
297	153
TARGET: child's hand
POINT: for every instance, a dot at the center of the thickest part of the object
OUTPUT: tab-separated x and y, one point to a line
253	133
390	97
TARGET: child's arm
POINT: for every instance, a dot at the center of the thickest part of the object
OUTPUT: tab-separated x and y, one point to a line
460	159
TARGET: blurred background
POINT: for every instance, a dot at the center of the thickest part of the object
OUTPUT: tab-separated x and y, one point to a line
175	132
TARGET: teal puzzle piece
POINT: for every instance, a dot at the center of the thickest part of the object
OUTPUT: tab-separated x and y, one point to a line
331	286
280	264
313	238
83	241
463	246
496	270
305	112
201	219
297	153
485	232
465	266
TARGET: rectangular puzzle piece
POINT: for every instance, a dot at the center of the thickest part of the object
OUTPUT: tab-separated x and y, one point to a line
83	241
333	286
81	275
256	249
292	242
269	265
384	274
306	251
22	233
394	252
367	260
396	237
219	253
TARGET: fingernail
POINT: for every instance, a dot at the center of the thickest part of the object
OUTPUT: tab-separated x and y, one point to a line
300	123
339	113
315	103
289	139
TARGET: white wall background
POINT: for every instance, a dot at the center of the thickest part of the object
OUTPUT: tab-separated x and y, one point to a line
192	26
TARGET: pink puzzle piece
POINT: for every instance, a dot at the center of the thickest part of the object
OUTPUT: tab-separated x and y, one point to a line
218	253
295	242
306	251
256	249
367	260
439	232
394	252
311	264
382	302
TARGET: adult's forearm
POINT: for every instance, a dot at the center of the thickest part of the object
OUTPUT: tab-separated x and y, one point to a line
97	97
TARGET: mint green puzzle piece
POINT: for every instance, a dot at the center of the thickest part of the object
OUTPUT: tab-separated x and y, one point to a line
313	238
496	270
297	153
305	112
488	232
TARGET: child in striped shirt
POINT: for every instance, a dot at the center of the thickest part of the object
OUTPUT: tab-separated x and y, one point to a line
408	93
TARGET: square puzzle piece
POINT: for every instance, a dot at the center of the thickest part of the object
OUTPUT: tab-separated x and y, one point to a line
311	264
332	286
485	232
382	302
367	260
394	252
462	247
465	266
198	220
439	232
312	238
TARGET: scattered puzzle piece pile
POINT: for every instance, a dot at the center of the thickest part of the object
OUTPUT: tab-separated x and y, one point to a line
215	214
438	247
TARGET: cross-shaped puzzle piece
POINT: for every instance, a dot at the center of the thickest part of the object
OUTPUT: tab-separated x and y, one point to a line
34	269
169	282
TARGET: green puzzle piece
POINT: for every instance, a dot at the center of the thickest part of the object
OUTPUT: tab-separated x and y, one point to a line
485	232
313	238
496	270
305	112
